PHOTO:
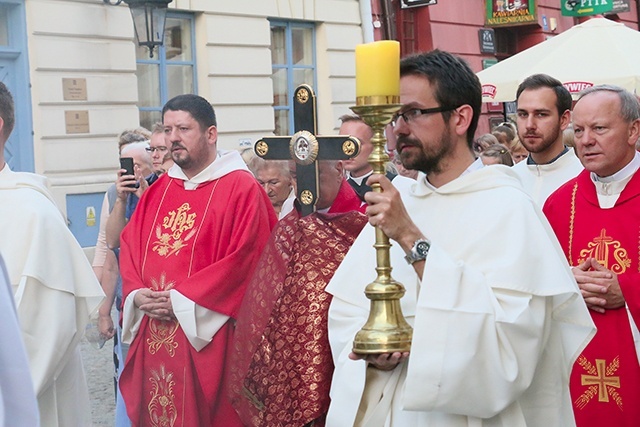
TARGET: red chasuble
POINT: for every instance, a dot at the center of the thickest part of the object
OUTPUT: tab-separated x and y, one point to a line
205	244
605	381
281	371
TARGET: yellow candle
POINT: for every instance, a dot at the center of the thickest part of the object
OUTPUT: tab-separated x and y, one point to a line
378	69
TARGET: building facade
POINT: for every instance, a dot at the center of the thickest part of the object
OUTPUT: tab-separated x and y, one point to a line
79	78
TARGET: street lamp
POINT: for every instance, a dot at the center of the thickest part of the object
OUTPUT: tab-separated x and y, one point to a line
149	17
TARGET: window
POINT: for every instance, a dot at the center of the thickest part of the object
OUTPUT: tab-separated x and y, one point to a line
171	72
293	60
4	26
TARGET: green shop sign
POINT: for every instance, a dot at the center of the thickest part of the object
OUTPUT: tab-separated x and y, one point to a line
586	7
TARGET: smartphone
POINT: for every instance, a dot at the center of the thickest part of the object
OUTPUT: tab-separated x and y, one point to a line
127	164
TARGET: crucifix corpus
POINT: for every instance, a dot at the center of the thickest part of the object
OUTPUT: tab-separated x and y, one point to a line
306	148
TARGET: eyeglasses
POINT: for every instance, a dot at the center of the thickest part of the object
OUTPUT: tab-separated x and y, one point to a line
154	149
414	113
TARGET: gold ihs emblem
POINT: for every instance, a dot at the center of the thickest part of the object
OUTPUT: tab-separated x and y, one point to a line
169	234
607	252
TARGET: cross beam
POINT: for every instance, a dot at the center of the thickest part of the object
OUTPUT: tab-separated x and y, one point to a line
306	148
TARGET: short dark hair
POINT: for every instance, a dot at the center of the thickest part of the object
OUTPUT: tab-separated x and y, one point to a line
199	108
7	111
454	82
537	81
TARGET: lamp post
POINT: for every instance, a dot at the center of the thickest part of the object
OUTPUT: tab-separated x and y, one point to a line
149	18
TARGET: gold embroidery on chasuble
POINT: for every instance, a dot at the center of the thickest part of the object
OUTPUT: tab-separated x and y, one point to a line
607	252
162	408
600	381
169	234
162	332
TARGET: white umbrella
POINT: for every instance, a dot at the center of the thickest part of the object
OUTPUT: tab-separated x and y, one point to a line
595	52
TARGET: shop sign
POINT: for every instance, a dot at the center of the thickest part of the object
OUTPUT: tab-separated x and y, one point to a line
586	7
510	12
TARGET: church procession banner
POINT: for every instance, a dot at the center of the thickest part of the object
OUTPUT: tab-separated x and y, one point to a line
510	12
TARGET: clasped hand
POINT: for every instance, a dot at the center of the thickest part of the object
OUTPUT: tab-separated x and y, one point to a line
155	304
599	286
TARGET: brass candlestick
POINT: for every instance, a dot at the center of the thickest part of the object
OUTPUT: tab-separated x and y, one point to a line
386	330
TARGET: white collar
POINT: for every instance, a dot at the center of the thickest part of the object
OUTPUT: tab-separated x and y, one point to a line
622	174
359	179
476	165
225	162
609	188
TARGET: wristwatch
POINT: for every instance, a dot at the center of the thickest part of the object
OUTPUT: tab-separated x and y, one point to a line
419	251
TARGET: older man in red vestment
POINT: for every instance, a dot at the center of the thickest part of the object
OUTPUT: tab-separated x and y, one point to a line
596	217
186	257
281	370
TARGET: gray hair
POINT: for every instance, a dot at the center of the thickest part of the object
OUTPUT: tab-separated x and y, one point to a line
135	146
629	105
257	164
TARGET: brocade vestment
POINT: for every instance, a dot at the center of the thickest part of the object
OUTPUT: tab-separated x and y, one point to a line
202	245
281	368
495	334
55	292
605	382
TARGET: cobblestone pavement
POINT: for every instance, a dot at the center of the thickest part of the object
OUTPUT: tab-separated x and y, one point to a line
98	366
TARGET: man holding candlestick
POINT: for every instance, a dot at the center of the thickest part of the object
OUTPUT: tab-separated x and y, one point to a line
495	335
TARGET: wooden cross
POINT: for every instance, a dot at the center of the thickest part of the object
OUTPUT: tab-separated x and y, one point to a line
306	148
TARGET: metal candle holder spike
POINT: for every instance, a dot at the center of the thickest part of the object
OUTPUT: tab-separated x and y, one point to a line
386	330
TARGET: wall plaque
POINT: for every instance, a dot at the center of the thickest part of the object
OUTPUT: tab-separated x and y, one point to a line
76	121
74	89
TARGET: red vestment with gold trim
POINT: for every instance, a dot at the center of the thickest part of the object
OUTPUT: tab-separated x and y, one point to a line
605	381
281	369
204	243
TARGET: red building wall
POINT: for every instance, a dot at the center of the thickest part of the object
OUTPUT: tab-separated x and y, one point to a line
453	26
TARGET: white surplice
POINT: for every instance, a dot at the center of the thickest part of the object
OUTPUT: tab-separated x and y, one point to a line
498	318
55	293
539	181
18	405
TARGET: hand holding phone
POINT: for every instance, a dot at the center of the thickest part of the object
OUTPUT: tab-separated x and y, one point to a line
126	163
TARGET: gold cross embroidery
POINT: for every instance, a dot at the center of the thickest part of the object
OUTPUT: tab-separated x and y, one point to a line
601	380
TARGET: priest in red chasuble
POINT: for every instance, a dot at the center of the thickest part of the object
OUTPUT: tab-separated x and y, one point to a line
281	368
596	217
186	257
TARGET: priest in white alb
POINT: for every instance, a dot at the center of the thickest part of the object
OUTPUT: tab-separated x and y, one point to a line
53	284
498	318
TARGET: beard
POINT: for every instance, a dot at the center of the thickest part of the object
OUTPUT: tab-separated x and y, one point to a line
181	158
425	159
546	142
